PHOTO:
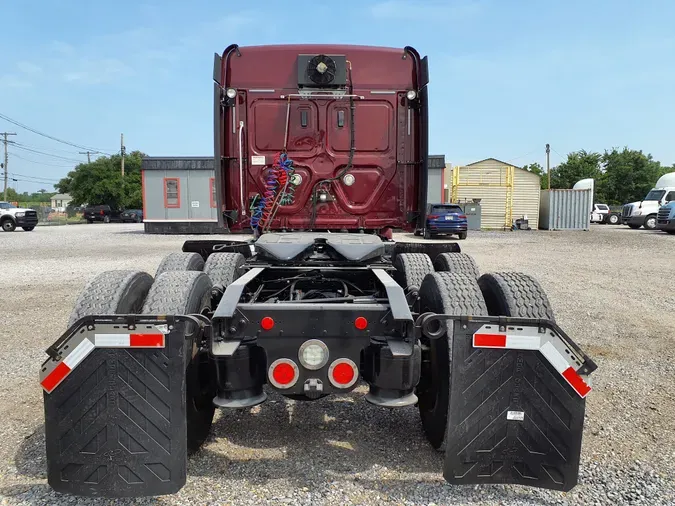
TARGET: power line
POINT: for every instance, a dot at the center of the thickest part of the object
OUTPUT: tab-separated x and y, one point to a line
39	163
25	127
561	156
46	179
39	183
522	156
26	148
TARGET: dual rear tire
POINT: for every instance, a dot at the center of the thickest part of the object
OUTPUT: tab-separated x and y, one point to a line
453	285
180	287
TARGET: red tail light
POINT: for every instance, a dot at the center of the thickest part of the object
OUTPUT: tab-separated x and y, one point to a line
361	323
433	216
283	373
267	323
101	212
343	373
462	216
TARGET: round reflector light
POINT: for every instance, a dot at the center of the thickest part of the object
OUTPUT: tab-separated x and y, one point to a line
411	95
313	354
267	323
343	373
360	323
283	373
231	93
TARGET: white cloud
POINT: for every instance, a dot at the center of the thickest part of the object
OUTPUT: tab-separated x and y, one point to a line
28	68
97	72
60	47
148	50
13	81
433	11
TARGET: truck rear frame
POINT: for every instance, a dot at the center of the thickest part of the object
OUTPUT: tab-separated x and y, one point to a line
131	387
129	396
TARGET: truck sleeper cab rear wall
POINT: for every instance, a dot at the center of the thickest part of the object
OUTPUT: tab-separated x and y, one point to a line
385	180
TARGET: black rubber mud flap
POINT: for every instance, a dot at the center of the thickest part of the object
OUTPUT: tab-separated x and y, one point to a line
513	418
116	425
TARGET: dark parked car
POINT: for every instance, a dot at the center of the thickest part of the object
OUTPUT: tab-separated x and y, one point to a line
102	213
445	219
132	216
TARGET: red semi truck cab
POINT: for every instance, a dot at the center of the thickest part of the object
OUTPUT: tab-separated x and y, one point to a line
320	137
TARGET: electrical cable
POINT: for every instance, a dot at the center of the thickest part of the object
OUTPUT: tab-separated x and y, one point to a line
25	127
25	148
39	163
45	179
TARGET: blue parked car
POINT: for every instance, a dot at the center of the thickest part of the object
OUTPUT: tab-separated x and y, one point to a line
445	219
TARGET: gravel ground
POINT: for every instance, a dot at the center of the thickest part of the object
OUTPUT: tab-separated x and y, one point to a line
612	292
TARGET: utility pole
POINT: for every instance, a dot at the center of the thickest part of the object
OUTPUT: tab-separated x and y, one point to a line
5	134
88	153
548	164
122	151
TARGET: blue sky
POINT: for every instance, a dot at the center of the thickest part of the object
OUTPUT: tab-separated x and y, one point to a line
506	76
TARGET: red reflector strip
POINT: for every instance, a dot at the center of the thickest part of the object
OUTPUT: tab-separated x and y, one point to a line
55	377
489	340
576	381
129	340
146	340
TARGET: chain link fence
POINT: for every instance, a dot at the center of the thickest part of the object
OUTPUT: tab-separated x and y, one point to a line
48	216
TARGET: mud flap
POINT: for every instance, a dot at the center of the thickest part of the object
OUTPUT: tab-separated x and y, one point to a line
116	422
515	416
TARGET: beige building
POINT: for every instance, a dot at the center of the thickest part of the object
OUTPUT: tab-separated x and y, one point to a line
507	192
60	201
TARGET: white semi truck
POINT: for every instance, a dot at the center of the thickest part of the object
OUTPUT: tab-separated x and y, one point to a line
644	213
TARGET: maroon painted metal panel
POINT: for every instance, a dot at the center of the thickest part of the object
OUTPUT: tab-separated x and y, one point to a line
387	161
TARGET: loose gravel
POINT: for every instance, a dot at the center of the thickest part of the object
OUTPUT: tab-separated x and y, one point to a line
611	289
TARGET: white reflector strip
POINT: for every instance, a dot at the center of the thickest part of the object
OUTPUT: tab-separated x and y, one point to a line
80	352
522	342
556	359
112	340
550	345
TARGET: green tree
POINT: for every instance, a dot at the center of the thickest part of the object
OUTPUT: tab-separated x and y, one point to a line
537	169
628	175
101	182
578	165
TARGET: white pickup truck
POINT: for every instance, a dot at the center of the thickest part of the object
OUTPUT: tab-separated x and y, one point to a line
12	217
644	213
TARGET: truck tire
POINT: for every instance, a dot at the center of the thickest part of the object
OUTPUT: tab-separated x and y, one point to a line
614	219
8	225
515	294
650	222
457	262
411	268
112	292
224	268
28	229
180	261
634	226
451	293
182	293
